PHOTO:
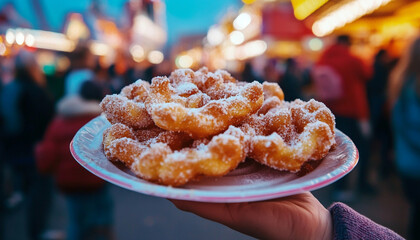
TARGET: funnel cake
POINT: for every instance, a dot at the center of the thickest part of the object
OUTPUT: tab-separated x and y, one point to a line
290	134
201	103
273	96
201	123
128	106
172	158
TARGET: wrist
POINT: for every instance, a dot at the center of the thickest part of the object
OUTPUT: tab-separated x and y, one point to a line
327	229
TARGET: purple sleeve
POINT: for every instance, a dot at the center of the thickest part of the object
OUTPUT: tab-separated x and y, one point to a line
349	224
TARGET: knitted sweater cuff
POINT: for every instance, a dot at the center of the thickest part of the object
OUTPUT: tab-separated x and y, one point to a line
349	224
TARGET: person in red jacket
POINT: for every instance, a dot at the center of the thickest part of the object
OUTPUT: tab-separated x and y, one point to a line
340	79
87	197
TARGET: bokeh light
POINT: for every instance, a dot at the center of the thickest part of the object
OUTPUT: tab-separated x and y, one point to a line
184	61
215	36
251	49
236	37
242	21
315	44
155	57
20	38
30	40
346	13
137	52
10	37
100	49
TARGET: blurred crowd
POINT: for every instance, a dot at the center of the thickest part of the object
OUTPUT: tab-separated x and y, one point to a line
377	104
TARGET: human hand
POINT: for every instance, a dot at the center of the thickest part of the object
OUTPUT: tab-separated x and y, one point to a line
299	216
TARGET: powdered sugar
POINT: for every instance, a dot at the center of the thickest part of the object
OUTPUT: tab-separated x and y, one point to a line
186	88
201	105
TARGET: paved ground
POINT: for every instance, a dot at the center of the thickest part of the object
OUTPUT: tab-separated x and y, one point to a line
139	216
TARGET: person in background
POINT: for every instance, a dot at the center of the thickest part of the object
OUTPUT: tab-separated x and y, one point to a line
26	108
291	81
248	74
271	74
116	82
299	216
2	162
379	113
404	96
340	78
149	73
82	65
90	206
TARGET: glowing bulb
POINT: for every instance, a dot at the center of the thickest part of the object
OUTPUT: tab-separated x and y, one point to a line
30	40
155	57
237	37
242	21
20	38
10	37
346	13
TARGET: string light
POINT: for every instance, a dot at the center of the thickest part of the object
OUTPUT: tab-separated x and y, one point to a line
40	39
30	40
10	37
345	14
242	21
20	38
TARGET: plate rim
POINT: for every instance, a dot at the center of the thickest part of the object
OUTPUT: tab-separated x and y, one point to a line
199	195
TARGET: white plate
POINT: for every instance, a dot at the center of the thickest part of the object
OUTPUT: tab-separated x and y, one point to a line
249	182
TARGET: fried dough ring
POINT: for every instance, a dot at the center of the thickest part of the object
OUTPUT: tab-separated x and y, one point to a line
200	78
158	160
290	134
272	90
273	97
207	109
311	111
128	106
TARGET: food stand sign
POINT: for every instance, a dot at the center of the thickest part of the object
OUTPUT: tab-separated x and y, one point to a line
304	8
280	23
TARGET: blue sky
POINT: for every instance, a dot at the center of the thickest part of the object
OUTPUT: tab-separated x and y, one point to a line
183	16
196	16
